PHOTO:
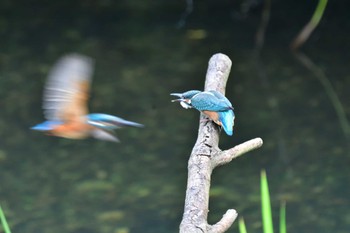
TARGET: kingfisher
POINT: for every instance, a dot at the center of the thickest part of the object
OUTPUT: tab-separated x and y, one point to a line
212	103
65	103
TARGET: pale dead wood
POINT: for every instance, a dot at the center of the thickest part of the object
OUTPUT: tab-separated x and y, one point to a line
205	156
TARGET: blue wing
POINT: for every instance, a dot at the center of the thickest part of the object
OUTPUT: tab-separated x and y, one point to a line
46	125
208	101
221	97
227	120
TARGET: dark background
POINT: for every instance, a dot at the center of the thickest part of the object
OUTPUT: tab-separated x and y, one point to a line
55	185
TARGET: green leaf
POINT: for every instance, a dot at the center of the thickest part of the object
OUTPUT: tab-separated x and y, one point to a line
241	226
321	6
265	204
4	222
283	225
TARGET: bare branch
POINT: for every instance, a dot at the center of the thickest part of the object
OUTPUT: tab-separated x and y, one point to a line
205	156
225	222
226	156
217	74
189	8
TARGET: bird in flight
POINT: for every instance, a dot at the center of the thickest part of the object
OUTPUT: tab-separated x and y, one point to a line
65	103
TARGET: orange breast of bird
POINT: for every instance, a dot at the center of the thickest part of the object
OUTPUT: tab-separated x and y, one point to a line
213	116
72	130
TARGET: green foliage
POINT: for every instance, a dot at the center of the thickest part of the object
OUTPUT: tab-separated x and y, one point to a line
241	225
265	204
321	6
283	225
4	224
266	209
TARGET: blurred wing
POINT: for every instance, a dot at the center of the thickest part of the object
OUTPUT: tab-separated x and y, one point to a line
67	88
208	101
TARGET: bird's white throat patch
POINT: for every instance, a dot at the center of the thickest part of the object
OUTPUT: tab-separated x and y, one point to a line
186	104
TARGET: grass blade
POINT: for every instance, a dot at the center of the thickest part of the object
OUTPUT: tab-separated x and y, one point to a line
321	6
4	222
283	225
241	226
265	204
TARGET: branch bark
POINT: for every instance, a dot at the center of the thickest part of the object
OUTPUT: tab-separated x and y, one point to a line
205	156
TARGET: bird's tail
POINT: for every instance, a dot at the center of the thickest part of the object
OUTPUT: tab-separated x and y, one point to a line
227	118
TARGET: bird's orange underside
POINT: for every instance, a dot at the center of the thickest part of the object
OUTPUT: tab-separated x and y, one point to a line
214	116
73	130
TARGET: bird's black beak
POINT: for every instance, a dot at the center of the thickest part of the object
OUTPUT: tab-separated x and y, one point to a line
178	100
179	95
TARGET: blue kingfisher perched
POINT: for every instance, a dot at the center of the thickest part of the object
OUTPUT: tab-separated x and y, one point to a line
212	103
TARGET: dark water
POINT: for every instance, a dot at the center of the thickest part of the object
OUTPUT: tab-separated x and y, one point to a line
56	185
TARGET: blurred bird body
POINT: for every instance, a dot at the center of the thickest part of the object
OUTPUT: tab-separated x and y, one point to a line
212	103
65	103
